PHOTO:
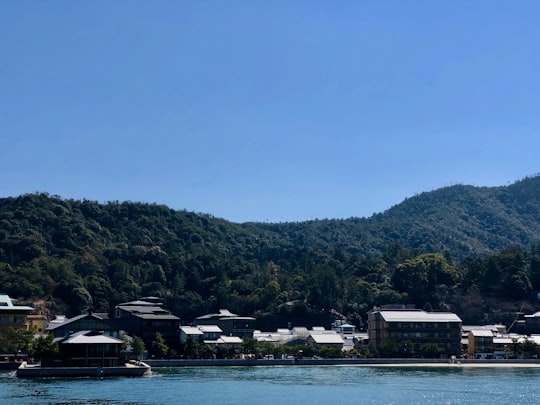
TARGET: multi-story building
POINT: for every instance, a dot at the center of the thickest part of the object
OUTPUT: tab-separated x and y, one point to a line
415	327
11	315
146	317
231	324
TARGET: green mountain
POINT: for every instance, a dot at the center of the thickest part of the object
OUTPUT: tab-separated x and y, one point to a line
463	220
80	255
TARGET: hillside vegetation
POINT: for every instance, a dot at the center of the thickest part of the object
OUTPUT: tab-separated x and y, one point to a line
473	250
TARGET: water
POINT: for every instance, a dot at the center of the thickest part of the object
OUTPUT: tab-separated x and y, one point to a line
287	385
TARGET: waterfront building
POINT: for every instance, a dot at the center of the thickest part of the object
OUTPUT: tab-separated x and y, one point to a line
187	332
146	317
319	340
230	324
63	327
89	349
415	328
211	333
480	343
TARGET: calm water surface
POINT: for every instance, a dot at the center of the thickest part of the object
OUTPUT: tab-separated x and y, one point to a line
286	385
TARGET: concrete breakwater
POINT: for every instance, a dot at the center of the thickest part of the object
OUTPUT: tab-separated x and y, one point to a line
157	363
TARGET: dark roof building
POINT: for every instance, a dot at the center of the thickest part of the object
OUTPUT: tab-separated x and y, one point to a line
84	322
145	318
231	324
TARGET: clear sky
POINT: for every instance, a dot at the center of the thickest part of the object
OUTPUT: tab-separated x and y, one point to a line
274	111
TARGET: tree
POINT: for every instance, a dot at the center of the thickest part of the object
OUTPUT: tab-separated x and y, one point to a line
191	348
45	348
420	276
528	348
137	346
159	347
249	345
14	340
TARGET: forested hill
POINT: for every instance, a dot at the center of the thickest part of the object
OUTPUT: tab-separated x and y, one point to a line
80	255
463	220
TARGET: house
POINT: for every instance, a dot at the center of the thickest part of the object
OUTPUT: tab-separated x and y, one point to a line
480	343
230	342
231	324
343	328
211	333
89	349
187	332
319	340
146	317
415	327
63	327
11	315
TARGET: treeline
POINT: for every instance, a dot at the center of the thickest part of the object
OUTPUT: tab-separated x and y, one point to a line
77	256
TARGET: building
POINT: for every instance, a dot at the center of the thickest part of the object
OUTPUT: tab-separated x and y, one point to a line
231	324
415	328
323	338
187	332
343	328
531	324
37	323
11	315
89	349
211	333
480	343
62	327
146	317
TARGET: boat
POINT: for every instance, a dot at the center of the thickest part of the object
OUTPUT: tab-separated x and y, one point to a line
129	369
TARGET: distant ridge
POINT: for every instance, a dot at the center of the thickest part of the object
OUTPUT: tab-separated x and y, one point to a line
464	220
470	248
461	219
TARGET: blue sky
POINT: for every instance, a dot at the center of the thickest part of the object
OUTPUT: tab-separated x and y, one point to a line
267	110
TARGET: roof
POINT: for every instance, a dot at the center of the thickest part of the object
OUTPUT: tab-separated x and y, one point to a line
419	316
138	303
230	340
53	325
6	303
345	325
535	315
503	340
191	330
493	328
83	338
210	329
223	313
151	311
481	333
327	338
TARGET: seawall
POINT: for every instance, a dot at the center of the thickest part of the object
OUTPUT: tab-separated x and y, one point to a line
155	363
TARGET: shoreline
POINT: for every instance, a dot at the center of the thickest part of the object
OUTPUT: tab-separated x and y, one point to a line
418	363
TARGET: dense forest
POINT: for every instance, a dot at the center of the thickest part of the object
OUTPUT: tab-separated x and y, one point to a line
471	250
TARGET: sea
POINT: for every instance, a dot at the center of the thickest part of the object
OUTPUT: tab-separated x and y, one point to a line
329	385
